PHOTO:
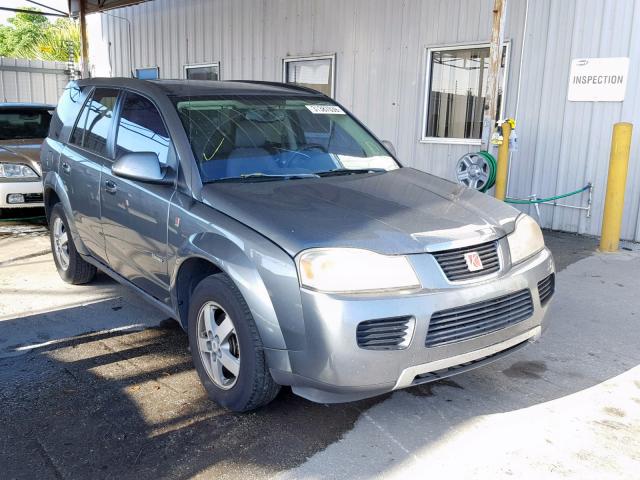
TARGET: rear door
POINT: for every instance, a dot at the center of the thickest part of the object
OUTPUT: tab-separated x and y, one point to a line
81	166
134	214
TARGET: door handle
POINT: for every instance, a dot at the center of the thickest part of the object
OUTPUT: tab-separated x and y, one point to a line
66	168
110	187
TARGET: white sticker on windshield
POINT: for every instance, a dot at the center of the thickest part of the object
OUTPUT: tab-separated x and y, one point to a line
325	109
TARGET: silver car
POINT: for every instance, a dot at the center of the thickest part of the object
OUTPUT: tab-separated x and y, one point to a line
23	126
286	239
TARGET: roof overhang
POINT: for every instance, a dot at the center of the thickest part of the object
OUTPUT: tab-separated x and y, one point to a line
93	6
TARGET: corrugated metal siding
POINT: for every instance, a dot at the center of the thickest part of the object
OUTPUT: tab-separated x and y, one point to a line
31	80
565	144
380	47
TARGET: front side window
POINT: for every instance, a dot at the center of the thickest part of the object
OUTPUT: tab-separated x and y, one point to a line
141	128
457	86
93	126
202	72
248	137
24	123
311	72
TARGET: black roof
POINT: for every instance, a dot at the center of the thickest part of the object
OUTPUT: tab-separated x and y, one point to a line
231	87
204	87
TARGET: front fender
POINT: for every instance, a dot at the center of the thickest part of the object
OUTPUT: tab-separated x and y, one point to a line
265	275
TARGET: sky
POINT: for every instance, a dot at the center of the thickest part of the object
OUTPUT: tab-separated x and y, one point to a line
57	4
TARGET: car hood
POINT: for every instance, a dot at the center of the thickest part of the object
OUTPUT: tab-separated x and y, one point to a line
25	151
403	211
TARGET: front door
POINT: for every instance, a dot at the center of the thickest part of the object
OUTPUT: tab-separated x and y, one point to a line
134	214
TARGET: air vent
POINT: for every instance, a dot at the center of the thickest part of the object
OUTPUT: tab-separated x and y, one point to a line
469	321
546	288
385	333
454	264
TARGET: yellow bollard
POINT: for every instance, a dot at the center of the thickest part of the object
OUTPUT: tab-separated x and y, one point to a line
503	162
616	183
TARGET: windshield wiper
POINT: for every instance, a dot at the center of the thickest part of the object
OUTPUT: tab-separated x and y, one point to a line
264	177
347	171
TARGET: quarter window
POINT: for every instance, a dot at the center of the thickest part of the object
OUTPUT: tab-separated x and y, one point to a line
457	85
67	110
312	72
202	72
141	128
92	129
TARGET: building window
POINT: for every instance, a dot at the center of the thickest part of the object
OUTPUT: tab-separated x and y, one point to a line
148	73
209	71
317	72
457	84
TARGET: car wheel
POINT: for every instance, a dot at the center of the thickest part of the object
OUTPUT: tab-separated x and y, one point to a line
71	266
226	348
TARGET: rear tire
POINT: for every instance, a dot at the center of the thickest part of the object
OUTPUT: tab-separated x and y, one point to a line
71	266
222	333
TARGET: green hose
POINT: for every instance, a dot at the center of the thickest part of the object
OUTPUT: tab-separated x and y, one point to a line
491	160
491	180
523	201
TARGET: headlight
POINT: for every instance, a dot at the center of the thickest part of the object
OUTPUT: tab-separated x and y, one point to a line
526	240
354	270
16	170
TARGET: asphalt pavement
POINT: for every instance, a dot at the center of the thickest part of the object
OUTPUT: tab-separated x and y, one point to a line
94	383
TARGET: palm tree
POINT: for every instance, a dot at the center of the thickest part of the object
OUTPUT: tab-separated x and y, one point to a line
54	43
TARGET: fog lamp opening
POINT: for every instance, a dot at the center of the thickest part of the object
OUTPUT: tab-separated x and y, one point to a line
15	198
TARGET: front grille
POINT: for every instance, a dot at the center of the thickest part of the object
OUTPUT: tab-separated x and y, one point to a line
455	267
546	288
33	198
469	321
385	333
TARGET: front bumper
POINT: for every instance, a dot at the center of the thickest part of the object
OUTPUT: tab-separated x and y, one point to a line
32	190
333	368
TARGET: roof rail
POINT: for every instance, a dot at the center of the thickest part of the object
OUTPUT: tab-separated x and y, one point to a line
290	86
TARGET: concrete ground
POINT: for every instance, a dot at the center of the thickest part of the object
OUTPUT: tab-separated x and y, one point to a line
96	384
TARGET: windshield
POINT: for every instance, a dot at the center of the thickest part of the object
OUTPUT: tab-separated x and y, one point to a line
24	123
268	137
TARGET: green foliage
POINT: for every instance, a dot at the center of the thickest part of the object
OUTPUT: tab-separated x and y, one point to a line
34	37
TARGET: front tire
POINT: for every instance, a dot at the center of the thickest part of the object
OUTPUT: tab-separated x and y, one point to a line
71	266
226	348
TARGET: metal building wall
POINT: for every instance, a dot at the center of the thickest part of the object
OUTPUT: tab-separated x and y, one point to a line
31	80
380	72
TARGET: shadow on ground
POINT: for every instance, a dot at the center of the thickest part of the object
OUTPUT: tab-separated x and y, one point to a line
129	404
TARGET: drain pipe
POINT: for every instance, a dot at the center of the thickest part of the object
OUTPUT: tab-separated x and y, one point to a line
520	67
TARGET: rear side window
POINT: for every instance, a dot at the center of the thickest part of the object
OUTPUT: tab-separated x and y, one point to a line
94	123
141	128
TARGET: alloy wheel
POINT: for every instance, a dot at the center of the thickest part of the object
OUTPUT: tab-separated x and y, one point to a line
218	345
61	243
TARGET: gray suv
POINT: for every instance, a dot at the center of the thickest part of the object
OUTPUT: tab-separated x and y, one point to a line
286	239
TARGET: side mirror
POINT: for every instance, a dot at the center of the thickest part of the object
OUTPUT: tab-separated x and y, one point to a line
389	146
141	166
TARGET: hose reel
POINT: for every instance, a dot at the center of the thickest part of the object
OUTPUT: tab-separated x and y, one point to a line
477	170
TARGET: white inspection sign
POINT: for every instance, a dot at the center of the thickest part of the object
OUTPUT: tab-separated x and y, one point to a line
598	79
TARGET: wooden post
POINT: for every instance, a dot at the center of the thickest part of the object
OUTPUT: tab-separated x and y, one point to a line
495	59
84	43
